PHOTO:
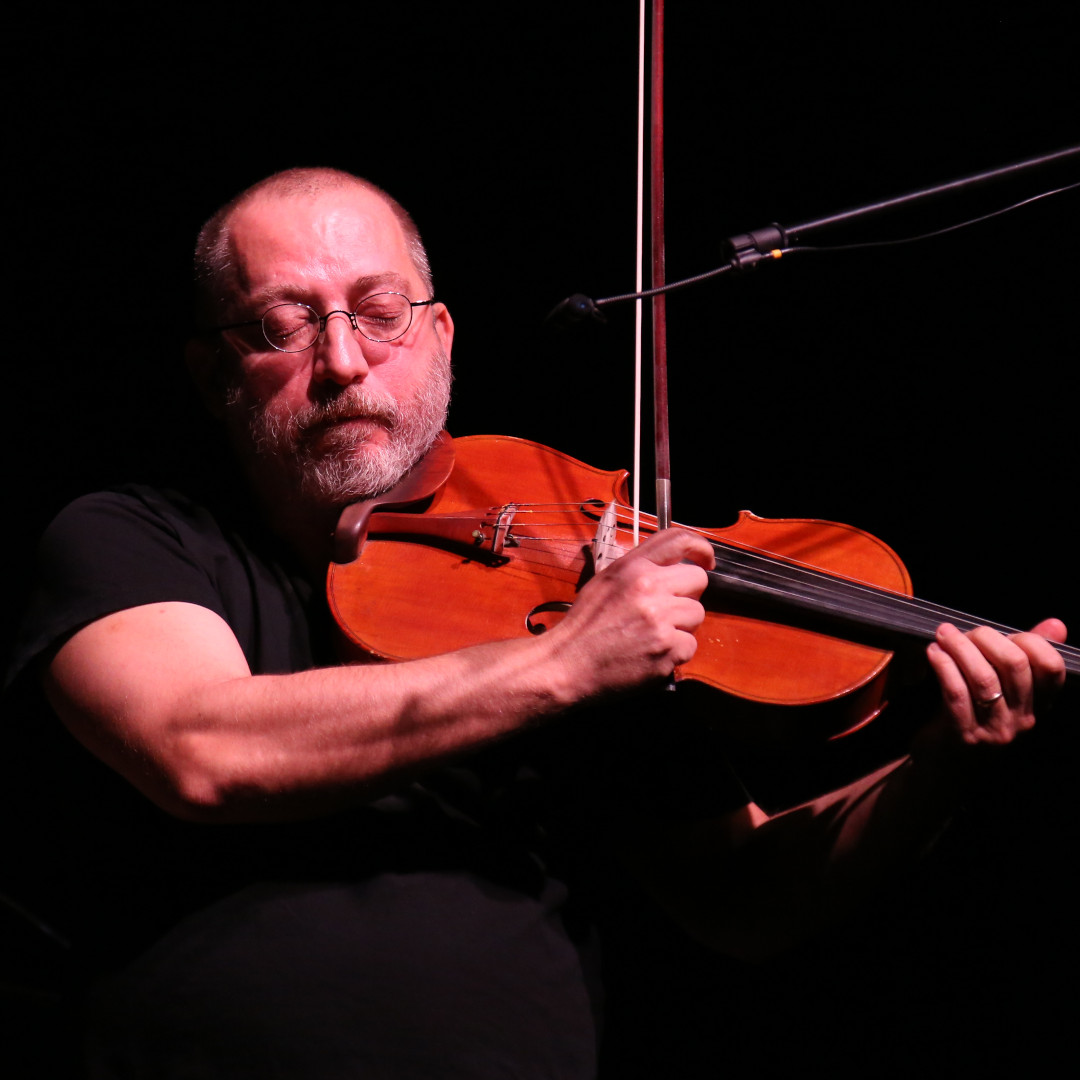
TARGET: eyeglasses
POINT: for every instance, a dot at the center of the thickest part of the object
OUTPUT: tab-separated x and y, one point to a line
292	328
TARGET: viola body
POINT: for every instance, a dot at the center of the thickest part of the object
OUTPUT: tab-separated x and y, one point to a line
506	540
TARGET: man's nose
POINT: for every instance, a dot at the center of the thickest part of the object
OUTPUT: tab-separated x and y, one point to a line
339	352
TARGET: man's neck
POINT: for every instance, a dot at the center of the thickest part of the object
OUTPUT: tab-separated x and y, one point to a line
305	527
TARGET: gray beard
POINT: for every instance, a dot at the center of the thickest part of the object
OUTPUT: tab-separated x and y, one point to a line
332	466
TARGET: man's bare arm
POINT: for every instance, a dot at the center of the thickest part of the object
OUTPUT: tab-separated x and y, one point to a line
750	885
163	694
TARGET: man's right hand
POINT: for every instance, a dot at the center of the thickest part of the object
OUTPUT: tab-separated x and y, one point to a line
634	622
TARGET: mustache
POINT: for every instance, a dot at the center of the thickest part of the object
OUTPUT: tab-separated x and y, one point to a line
352	403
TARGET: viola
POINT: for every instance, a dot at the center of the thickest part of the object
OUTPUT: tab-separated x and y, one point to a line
490	537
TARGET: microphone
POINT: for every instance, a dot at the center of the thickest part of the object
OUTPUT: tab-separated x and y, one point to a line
573	311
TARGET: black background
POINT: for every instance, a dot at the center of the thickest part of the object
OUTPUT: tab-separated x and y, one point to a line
923	393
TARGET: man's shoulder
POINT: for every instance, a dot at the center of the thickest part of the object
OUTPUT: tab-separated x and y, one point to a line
133	506
134	523
125	547
136	544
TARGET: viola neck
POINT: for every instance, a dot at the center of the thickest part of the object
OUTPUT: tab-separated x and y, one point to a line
744	578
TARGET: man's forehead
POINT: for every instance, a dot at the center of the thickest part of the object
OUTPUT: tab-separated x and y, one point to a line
342	233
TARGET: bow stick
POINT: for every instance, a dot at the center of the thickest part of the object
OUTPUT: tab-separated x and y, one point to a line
661	435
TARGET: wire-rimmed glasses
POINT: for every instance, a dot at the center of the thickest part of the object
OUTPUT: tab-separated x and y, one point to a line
292	328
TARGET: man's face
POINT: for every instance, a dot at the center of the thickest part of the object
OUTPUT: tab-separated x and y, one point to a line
346	418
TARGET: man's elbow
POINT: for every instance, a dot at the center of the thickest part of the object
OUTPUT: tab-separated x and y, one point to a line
202	781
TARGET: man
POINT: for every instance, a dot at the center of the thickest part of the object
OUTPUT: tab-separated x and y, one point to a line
388	898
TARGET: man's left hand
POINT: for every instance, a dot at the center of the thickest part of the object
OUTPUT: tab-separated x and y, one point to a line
990	682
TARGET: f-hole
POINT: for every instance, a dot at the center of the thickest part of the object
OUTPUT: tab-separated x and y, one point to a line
536	627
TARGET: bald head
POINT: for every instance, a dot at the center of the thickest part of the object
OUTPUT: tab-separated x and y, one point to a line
216	270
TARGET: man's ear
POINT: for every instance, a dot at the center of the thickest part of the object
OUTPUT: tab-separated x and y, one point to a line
205	364
444	328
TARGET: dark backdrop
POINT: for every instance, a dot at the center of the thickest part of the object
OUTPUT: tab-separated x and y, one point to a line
923	393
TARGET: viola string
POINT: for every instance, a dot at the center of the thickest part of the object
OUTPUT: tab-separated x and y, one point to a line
784	577
889	609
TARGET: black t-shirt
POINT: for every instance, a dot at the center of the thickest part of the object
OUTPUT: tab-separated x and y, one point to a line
479	850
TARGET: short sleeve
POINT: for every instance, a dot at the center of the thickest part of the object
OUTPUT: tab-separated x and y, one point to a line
115	550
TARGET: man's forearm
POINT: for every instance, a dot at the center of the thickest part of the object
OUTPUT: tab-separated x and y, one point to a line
271	747
207	740
751	885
